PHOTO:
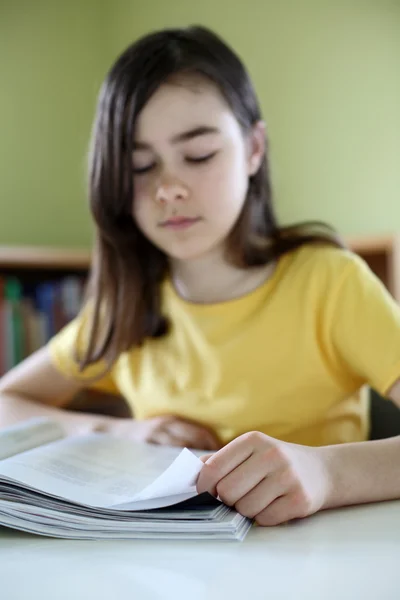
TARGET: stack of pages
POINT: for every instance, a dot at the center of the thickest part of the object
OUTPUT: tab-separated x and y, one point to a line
103	487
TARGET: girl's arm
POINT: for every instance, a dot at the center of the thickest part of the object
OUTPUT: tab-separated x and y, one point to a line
274	481
35	388
364	472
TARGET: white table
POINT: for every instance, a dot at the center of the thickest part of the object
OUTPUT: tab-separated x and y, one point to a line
351	554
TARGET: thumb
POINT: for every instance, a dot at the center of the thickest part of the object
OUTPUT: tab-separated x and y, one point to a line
205	457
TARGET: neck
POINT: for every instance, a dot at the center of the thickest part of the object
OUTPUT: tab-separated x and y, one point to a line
210	279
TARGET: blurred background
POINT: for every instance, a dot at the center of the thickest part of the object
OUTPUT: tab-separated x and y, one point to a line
327	75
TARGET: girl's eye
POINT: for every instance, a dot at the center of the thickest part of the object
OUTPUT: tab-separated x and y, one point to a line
200	159
142	170
189	159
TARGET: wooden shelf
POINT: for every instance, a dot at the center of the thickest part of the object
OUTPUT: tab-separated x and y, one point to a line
372	244
381	252
27	257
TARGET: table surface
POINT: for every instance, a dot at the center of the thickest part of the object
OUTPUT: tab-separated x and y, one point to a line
348	554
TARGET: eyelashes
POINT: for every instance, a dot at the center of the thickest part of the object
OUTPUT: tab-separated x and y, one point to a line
200	159
193	160
142	170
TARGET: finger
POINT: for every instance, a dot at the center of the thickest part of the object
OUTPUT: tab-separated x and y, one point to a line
246	476
164	438
167	438
195	436
228	458
282	510
262	495
209	442
205	457
202	439
163	434
211	439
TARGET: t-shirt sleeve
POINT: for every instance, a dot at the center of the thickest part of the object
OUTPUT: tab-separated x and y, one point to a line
364	327
69	343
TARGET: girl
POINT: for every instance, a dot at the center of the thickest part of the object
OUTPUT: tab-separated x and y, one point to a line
221	329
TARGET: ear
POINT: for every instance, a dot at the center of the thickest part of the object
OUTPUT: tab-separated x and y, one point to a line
256	145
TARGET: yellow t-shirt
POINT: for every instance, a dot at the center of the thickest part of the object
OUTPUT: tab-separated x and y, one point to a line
288	359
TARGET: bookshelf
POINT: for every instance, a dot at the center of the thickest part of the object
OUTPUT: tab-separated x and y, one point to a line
41	290
37	264
381	252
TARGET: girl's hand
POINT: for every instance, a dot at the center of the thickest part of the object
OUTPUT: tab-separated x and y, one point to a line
167	430
266	479
173	431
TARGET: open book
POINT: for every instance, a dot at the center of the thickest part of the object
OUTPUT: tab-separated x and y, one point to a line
100	486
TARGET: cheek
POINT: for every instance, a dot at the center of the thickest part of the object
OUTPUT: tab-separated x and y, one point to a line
139	188
140	204
226	185
140	215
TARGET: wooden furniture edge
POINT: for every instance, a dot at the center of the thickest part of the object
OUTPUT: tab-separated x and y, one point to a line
372	244
36	257
42	257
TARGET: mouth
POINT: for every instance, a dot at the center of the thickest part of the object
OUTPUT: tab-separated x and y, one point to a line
180	222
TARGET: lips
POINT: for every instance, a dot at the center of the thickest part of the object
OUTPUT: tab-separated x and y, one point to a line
180	222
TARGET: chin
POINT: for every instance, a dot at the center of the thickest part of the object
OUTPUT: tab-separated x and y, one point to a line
187	253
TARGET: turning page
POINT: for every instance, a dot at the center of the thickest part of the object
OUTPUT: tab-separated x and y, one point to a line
104	471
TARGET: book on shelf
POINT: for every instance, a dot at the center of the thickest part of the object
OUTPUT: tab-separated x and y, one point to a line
103	487
32	313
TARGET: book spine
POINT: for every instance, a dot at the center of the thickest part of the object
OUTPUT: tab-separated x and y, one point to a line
45	302
15	333
32	313
2	328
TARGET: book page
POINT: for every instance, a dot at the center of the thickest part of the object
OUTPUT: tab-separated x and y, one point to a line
101	470
27	435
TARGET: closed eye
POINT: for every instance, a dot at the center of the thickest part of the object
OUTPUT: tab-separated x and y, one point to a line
200	159
143	170
189	159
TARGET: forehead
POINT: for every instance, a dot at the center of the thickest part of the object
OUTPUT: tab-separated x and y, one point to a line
180	105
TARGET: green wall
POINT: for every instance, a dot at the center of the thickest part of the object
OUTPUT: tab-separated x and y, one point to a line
327	74
51	67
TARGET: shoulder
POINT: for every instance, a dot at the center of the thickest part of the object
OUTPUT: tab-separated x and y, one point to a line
324	263
320	274
338	282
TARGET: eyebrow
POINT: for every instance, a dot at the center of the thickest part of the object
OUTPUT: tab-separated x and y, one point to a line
185	136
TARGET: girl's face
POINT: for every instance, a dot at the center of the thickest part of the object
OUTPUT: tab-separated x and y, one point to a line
191	165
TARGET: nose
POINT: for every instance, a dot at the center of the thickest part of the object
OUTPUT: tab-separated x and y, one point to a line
169	192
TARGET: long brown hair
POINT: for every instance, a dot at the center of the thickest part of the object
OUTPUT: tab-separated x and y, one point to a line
127	270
